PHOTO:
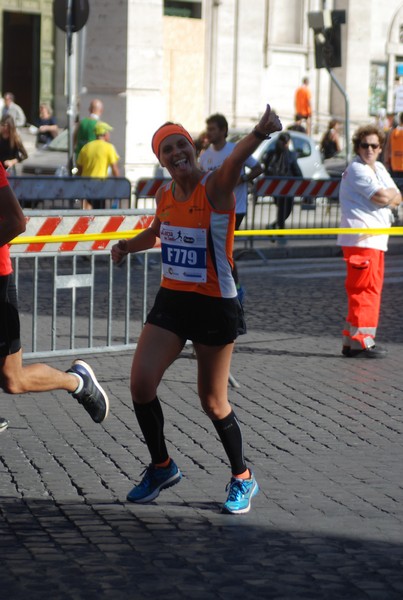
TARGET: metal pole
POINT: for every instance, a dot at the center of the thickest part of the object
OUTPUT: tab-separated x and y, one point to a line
347	113
70	107
212	70
235	66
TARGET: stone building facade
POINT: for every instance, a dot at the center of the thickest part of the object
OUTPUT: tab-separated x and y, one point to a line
180	60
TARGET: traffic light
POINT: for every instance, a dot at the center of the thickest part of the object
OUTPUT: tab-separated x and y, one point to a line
327	35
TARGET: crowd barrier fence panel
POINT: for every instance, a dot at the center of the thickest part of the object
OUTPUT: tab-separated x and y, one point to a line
69	192
145	190
316	203
72	298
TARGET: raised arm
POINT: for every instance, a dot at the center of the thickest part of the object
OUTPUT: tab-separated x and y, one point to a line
223	180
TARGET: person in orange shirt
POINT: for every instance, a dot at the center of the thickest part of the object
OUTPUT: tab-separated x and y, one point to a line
303	103
394	150
197	301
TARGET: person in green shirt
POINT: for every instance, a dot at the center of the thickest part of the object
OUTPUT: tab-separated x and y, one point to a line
85	131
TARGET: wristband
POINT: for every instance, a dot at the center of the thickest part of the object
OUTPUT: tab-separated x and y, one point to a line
260	135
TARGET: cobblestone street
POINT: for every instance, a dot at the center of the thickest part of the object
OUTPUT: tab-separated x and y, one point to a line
322	433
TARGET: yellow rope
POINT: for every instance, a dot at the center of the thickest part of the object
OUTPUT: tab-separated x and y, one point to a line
322	231
118	235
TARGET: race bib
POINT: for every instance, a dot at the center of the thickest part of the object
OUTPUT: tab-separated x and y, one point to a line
184	253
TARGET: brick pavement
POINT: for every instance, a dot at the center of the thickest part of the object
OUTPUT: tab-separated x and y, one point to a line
322	433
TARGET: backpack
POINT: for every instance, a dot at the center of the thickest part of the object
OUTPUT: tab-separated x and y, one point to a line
276	164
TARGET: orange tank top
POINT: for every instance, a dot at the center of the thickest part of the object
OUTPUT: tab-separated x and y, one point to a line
396	149
5	261
196	244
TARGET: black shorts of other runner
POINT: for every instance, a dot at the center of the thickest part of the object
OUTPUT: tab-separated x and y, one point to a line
10	341
198	318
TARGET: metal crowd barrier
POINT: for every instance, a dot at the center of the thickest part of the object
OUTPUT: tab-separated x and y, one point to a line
72	299
76	300
69	192
316	202
315	205
145	190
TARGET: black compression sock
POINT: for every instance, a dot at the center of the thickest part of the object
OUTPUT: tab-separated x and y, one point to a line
151	420
230	434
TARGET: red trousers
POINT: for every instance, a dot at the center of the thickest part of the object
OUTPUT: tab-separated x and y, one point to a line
364	283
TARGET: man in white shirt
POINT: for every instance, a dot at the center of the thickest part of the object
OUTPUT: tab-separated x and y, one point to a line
367	197
217	152
214	156
13	109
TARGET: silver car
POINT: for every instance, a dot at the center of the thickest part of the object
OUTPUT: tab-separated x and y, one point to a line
51	160
336	165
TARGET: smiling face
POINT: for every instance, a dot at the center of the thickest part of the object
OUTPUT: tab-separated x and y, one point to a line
369	149
178	155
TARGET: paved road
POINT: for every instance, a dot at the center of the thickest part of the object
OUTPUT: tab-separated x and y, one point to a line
323	434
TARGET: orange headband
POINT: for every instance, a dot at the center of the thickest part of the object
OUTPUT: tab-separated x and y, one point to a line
164	131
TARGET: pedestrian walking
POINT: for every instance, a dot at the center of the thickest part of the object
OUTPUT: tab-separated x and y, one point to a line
303	106
367	197
197	301
281	161
15	378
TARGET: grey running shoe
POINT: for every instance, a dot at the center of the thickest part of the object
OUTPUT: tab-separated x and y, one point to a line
92	396
3	424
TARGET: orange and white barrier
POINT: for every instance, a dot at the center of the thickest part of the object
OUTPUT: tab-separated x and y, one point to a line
75	231
282	186
147	188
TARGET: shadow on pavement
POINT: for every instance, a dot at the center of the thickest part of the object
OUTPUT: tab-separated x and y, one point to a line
103	550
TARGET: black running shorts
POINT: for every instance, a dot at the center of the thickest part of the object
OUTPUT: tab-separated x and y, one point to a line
199	318
9	319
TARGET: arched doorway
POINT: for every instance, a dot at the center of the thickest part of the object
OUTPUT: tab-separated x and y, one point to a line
21	60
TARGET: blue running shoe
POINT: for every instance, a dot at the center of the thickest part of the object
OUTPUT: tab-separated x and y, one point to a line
154	480
241	492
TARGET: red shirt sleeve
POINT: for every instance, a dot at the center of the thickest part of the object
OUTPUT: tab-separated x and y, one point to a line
3	177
